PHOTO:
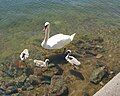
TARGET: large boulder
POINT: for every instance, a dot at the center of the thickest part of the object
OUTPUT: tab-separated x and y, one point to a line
98	74
57	87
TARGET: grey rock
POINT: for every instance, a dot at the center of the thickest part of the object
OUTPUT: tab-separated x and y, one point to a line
97	75
57	87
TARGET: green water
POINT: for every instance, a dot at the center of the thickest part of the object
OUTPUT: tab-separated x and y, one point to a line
21	21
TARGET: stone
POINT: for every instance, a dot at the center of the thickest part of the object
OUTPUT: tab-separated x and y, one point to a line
57	87
46	79
100	64
85	93
77	74
99	56
33	80
97	75
29	70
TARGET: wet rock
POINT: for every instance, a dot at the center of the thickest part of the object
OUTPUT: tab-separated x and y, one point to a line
58	71
38	71
10	72
99	56
98	40
116	69
90	53
77	74
2	91
85	93
97	75
57	87
101	83
12	91
20	81
33	80
46	79
29	70
1	73
100	64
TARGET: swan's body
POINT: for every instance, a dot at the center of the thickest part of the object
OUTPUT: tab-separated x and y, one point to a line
57	41
72	60
40	63
24	55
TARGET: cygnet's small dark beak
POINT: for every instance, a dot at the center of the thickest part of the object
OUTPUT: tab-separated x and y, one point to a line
45	27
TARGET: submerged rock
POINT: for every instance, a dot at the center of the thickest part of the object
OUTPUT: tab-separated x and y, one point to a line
77	74
46	79
57	87
34	80
99	56
85	93
97	75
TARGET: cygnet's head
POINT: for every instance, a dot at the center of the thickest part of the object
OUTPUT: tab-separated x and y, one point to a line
68	51
46	23
26	51
47	60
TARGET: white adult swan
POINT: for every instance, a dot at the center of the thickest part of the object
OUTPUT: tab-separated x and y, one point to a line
57	41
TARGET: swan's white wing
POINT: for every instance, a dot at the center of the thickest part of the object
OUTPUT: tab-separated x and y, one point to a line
73	60
59	38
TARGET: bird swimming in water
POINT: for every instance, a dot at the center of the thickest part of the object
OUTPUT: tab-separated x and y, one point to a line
57	41
72	60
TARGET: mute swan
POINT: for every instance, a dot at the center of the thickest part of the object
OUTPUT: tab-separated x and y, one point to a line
57	41
72	60
40	63
24	55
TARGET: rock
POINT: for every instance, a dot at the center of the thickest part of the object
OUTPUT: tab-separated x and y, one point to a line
29	70
116	69
99	56
39	71
85	93
33	80
101	83
97	75
57	87
1	73
12	91
100	64
77	74
46	79
2	91
10	72
58	71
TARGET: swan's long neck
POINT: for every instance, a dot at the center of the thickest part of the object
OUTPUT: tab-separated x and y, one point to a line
47	31
67	57
46	62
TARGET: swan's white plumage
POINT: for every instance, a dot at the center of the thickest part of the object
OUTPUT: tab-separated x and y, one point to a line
24	55
40	63
57	41
71	59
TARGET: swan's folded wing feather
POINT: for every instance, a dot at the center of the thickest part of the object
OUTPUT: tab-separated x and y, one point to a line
59	38
74	60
